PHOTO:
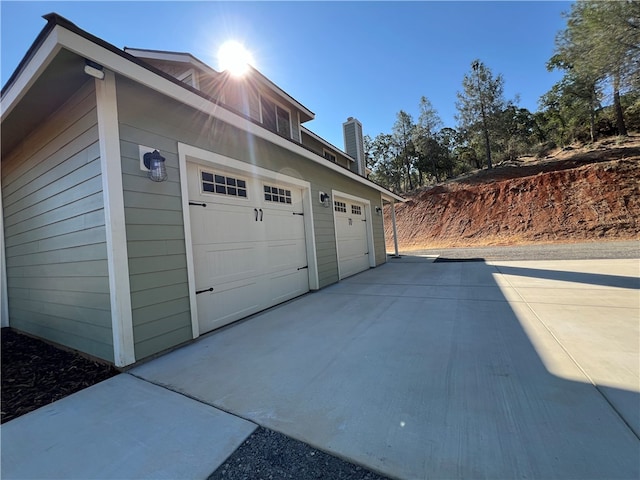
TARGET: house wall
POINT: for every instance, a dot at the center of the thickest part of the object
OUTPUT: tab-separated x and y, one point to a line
56	254
154	229
155	121
310	142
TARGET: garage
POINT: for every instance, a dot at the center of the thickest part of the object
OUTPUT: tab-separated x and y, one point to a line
351	224
248	243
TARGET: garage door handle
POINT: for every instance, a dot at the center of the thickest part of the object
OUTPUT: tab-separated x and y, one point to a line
198	204
261	214
256	210
210	289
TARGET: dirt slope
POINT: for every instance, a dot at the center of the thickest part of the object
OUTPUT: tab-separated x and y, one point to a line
582	194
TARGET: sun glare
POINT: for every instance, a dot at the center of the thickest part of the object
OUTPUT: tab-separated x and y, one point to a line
234	57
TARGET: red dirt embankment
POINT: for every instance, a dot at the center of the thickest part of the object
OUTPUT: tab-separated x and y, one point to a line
577	195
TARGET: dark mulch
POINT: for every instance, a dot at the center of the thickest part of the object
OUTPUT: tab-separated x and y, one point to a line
270	455
35	373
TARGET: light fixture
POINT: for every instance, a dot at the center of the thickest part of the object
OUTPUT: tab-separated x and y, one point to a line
94	69
325	199
378	210
155	163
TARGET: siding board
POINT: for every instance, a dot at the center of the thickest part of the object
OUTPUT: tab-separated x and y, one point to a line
77	193
77	254
55	231
55	330
155	231
158	279
164	341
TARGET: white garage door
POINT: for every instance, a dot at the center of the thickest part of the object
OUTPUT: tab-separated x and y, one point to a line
351	234
248	242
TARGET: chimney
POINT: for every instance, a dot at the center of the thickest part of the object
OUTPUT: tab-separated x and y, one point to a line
354	143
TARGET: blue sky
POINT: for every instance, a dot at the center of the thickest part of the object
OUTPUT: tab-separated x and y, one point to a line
339	59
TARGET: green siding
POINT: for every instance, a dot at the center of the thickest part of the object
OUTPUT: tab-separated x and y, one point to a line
155	232
164	122
57	275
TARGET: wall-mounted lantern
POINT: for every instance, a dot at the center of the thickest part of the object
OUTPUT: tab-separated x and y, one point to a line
378	210
155	163
325	199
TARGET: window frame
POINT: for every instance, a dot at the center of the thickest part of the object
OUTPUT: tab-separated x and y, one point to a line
277	107
226	177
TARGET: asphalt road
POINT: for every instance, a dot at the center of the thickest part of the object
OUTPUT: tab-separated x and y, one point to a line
569	251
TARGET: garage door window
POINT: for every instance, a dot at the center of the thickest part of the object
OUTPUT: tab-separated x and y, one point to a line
276	194
223	185
340	207
356	210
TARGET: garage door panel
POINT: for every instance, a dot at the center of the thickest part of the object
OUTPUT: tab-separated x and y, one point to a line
285	255
219	265
351	236
249	249
222	224
287	285
232	302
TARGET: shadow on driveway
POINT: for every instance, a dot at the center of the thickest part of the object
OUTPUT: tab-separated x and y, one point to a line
437	370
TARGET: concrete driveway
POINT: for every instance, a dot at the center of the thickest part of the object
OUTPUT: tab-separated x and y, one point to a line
441	370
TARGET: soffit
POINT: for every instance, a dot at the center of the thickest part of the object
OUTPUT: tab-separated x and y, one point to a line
57	83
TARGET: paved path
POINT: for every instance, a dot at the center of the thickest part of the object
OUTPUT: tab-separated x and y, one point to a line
413	369
428	370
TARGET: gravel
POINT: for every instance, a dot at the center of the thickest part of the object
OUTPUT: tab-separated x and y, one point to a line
267	455
561	251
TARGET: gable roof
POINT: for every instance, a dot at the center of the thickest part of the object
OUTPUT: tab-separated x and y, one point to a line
61	35
253	73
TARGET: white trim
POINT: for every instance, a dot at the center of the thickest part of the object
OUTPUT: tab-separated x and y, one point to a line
324	153
182	57
186	220
395	231
189	153
194	78
172	90
4	293
177	57
27	77
123	66
117	256
327	144
369	222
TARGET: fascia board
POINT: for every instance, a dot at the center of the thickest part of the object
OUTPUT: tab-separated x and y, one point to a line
326	144
281	93
30	73
61	37
170	57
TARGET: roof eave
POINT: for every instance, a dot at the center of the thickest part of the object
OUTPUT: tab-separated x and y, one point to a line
60	33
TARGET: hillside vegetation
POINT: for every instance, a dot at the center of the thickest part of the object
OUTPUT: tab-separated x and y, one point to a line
580	193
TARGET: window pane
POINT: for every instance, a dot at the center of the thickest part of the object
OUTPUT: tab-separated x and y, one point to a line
219	179
242	193
221	189
231	181
207	177
268	114
242	184
207	187
284	122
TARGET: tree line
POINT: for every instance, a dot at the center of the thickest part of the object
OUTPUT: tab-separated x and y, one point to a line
599	95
